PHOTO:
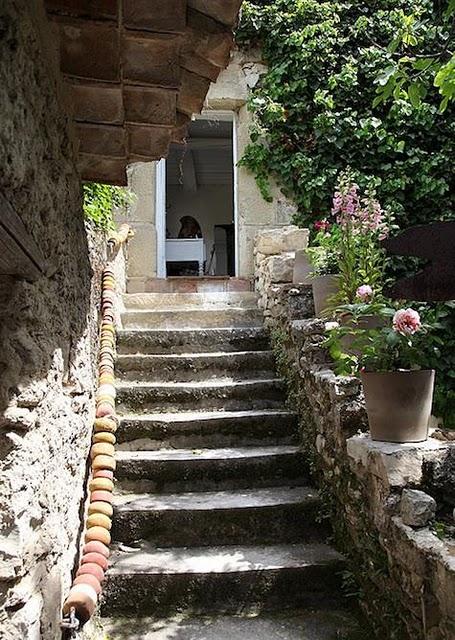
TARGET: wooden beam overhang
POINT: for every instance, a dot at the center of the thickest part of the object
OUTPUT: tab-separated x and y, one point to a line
136	72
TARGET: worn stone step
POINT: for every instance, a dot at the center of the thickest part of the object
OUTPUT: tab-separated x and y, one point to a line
228	579
209	469
311	624
204	284
193	340
241	365
206	429
207	300
210	396
192	317
261	516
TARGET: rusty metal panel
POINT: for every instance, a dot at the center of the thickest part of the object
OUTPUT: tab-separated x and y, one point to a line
20	256
435	243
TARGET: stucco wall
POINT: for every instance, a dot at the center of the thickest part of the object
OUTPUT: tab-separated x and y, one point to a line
230	93
47	334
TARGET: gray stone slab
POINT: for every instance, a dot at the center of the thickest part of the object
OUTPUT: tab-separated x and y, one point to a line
192	341
236	366
303	625
196	318
219	394
221	560
206	429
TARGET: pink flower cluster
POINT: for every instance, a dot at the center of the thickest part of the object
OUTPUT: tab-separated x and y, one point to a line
362	215
346	204
407	322
364	293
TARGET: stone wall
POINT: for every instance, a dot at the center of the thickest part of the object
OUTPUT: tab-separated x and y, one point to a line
48	330
402	574
274	259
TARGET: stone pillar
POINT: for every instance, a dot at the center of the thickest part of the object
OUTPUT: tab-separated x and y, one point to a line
274	259
142	218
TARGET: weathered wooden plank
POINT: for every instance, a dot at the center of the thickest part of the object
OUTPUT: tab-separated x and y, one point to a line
19	254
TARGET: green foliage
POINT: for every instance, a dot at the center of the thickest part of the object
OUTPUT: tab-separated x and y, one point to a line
314	114
100	202
324	253
420	56
381	348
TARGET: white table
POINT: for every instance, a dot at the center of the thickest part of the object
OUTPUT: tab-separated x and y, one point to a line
186	250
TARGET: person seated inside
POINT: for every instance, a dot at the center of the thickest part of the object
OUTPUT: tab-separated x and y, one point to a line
190	228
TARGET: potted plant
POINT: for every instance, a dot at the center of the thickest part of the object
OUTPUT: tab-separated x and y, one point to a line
323	256
363	224
398	391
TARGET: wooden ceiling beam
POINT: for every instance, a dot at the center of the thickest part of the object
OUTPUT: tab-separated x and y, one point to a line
95	9
89	49
224	11
167	16
152	60
97	103
137	76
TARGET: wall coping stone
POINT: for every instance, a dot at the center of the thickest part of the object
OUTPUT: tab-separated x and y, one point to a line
399	465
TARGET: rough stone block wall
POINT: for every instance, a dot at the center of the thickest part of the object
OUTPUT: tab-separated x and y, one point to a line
274	260
47	335
401	573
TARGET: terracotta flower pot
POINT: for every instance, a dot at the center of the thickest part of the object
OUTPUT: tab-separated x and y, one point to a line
324	287
399	404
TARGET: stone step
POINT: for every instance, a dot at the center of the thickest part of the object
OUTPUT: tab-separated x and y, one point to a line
188	284
209	300
193	340
241	365
210	396
206	429
261	516
227	579
192	317
209	469
319	624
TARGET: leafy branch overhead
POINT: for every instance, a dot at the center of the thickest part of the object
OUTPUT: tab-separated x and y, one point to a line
421	56
317	109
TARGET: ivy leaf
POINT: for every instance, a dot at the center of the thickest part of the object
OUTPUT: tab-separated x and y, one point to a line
383	78
414	94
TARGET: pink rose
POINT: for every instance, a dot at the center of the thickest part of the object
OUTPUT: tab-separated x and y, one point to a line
407	322
364	293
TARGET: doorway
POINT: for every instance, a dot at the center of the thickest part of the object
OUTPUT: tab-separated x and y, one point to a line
196	221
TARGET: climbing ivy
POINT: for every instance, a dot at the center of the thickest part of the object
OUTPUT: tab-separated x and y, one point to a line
316	109
101	201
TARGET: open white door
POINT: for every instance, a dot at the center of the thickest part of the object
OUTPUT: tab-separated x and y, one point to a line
160	222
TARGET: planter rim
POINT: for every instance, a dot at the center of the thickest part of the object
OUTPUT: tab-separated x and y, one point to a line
396	372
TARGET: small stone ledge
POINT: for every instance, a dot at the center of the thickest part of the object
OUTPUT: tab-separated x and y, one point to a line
397	465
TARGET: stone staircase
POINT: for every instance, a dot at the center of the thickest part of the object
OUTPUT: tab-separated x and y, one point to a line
214	516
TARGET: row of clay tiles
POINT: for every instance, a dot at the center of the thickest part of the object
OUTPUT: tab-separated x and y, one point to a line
136	71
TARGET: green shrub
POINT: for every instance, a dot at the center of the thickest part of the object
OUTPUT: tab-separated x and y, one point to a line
101	201
314	112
